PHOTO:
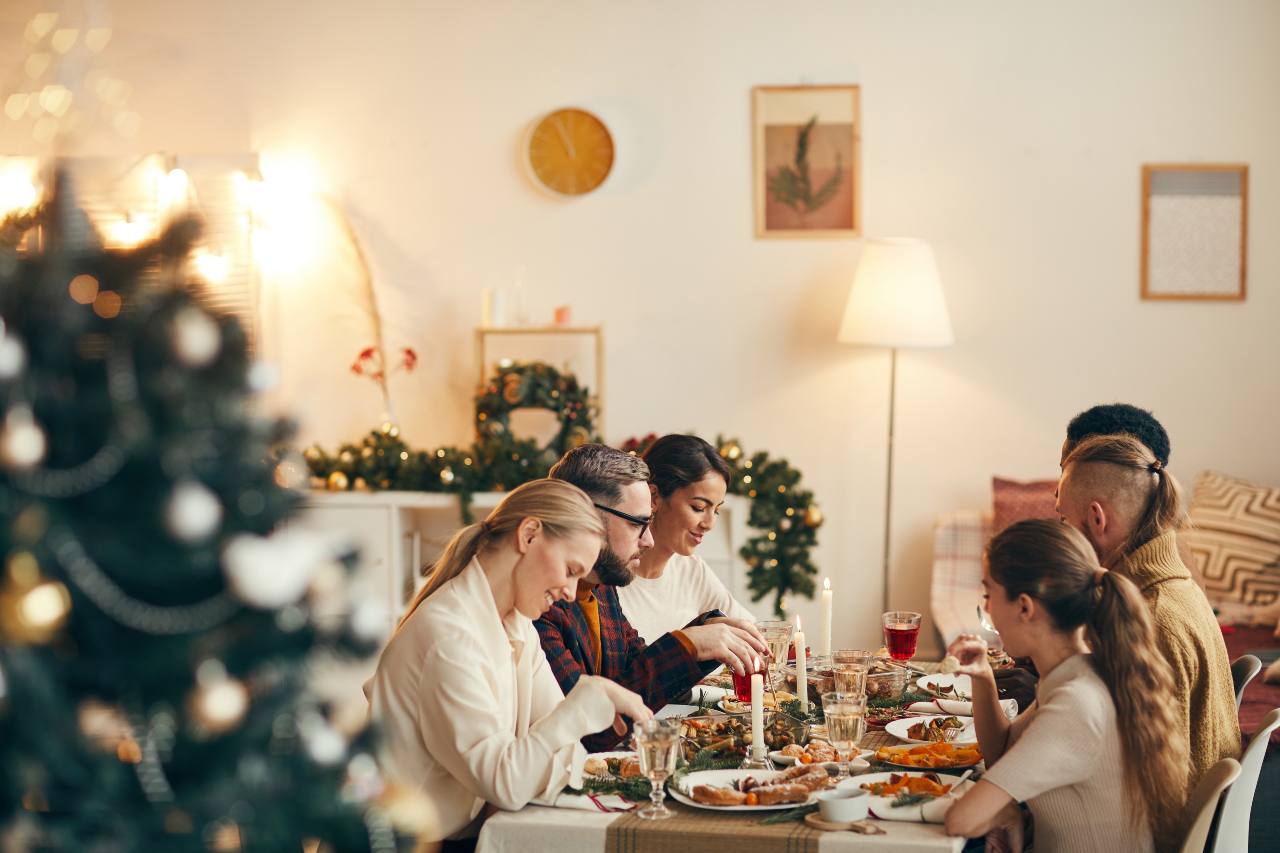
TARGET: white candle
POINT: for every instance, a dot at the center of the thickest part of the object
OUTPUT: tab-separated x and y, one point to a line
824	628
757	715
802	676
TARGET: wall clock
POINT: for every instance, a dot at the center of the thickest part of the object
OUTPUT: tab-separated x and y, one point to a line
570	151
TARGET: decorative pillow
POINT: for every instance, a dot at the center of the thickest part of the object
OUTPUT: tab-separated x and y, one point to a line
1234	538
1015	501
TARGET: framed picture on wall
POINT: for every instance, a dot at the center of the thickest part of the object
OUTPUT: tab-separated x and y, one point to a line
806	173
1194	231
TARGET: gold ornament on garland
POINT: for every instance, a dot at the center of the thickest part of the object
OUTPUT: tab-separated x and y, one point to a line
813	516
337	482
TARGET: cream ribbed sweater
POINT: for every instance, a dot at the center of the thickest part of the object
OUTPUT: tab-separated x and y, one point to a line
1064	763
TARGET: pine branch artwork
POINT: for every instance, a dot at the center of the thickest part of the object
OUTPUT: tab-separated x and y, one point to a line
793	185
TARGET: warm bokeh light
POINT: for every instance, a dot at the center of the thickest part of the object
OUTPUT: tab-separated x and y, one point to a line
18	186
128	231
84	289
210	266
107	305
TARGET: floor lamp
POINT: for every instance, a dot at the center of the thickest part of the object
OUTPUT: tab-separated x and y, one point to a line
895	301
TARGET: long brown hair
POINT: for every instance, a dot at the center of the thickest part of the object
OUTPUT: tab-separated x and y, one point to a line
1162	508
1054	564
562	507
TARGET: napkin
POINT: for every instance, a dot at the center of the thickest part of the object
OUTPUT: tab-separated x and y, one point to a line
596	803
959	707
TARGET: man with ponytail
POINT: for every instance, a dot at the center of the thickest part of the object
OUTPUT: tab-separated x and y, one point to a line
1119	494
1100	757
590	634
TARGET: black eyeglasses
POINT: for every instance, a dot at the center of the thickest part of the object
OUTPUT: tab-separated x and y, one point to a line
642	523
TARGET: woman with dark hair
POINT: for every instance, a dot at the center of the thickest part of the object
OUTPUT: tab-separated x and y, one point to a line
688	481
1100	757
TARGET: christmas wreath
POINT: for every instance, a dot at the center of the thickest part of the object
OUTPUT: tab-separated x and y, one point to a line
535	385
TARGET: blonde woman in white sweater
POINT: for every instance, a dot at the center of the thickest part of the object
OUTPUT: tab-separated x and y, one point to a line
674	586
469	710
1092	783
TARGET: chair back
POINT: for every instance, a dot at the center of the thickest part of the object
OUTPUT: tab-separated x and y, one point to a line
1237	803
1243	670
1203	803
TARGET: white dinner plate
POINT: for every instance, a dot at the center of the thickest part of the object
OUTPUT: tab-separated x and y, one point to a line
617	753
725	779
930	683
733	706
787	760
883	804
919	769
898	728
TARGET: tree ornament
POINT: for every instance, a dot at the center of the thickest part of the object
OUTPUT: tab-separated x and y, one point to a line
784	524
104	725
193	512
323	742
360	484
272	571
447	476
731	451
32	610
337	482
13	357
218	702
291	472
22	441
813	516
196	338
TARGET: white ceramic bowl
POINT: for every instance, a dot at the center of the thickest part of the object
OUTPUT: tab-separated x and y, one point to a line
843	805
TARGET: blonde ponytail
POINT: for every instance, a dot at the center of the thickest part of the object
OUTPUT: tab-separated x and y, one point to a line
562	507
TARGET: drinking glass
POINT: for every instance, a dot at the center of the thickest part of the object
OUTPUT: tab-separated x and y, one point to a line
849	668
777	636
742	683
901	632
846	724
657	744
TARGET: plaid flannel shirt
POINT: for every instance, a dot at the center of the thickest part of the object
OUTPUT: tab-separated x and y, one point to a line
660	672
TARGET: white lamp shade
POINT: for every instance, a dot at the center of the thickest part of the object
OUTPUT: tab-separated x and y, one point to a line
896	299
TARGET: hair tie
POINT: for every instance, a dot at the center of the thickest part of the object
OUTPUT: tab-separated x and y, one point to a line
1155	467
1097	577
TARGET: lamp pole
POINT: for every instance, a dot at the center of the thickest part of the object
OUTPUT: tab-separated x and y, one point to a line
888	480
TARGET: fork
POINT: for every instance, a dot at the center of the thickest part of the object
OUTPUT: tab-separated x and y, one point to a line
984	622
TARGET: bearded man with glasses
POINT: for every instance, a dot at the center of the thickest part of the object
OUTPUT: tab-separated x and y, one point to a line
591	636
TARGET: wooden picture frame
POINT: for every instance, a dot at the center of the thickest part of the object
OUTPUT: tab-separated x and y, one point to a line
809	190
1195	231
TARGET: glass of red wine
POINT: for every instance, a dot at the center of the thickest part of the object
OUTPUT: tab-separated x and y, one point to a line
742	683
901	632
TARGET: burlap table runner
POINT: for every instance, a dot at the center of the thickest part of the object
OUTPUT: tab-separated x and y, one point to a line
701	831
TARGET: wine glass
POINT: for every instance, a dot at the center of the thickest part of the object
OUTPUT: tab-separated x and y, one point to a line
901	633
657	744
849	670
846	724
777	636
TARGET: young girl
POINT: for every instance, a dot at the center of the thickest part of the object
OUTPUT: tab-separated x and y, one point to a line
688	481
470	712
1100	756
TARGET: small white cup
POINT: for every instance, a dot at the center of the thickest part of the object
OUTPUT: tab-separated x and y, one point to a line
843	805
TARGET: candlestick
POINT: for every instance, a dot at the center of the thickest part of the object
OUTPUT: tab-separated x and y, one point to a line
824	628
802	676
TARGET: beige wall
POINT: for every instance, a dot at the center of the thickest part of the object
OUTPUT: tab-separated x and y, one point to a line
1009	135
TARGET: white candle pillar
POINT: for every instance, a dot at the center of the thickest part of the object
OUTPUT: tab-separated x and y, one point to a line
802	675
757	716
824	628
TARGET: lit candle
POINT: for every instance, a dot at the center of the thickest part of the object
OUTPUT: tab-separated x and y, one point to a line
757	715
802	676
824	629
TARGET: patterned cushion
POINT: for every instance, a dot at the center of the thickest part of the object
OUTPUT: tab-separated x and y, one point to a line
1234	538
1015	501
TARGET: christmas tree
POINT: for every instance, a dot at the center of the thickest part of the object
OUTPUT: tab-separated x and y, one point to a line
158	623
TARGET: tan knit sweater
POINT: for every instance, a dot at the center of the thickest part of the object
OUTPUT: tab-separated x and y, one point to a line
1191	640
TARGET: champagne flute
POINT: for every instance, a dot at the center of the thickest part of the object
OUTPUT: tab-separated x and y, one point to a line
846	722
657	744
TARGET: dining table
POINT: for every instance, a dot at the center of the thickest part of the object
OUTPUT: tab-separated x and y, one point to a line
545	829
